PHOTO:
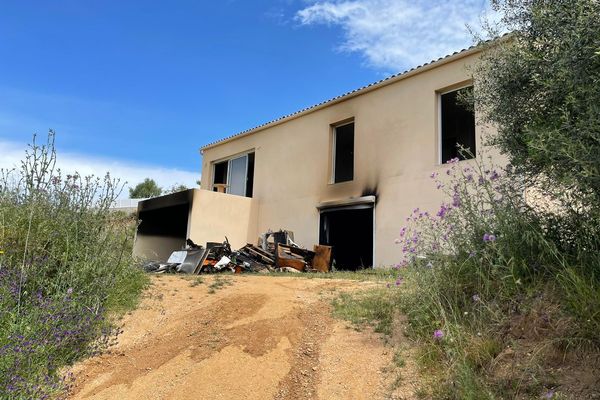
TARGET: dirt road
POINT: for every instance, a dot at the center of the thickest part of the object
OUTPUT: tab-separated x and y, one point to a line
251	337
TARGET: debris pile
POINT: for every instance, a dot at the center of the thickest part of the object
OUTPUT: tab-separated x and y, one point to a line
275	252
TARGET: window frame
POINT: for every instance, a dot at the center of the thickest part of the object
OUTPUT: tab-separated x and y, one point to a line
439	95
228	160
333	130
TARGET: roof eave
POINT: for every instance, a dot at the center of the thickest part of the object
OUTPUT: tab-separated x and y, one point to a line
347	96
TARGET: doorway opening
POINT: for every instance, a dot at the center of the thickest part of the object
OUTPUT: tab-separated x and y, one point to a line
349	230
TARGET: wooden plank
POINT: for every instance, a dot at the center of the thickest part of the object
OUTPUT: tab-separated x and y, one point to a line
284	260
259	254
298	252
322	260
258	250
299	265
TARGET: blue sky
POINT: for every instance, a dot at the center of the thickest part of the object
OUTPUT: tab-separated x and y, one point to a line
136	87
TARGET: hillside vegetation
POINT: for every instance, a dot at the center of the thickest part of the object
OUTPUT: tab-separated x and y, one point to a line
65	269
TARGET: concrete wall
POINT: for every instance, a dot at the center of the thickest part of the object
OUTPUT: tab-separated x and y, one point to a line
216	215
396	149
156	247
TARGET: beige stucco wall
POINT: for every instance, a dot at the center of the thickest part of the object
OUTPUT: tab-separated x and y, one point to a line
396	149
216	215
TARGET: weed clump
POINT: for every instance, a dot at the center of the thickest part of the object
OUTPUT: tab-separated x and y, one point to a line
218	283
65	265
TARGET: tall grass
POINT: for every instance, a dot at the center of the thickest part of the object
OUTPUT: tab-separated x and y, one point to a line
65	265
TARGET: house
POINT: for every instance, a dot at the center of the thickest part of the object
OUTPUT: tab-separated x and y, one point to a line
345	172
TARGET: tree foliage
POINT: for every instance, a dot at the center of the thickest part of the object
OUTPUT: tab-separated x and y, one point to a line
146	189
176	188
541	88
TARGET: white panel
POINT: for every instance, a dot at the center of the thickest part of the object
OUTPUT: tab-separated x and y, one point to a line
237	176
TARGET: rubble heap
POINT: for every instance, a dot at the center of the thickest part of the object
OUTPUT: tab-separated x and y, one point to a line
275	252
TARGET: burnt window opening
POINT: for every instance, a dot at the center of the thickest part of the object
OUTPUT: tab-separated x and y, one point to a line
349	231
457	126
235	176
221	173
343	154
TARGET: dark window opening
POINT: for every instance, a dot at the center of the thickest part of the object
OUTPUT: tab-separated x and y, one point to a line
458	127
350	233
235	176
221	173
250	175
343	168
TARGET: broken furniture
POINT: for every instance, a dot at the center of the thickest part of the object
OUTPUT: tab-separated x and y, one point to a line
276	251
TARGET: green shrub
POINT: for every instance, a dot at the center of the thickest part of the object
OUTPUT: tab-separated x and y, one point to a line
66	264
485	257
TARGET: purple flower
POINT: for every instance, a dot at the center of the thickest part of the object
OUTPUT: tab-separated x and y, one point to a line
549	394
456	200
399	281
387	285
489	237
443	211
433	175
494	175
69	290
476	297
438	334
453	160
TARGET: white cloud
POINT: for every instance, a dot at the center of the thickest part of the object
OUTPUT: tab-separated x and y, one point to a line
399	34
12	153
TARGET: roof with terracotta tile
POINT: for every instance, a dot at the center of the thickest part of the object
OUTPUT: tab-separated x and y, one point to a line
364	89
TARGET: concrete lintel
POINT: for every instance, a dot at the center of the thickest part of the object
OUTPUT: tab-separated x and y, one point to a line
355	201
167	200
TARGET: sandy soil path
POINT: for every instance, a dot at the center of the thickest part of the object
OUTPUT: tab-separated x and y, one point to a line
257	337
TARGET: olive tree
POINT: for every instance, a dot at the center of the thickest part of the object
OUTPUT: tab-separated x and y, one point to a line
540	87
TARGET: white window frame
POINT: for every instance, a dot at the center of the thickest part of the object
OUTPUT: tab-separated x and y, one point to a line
333	142
439	120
